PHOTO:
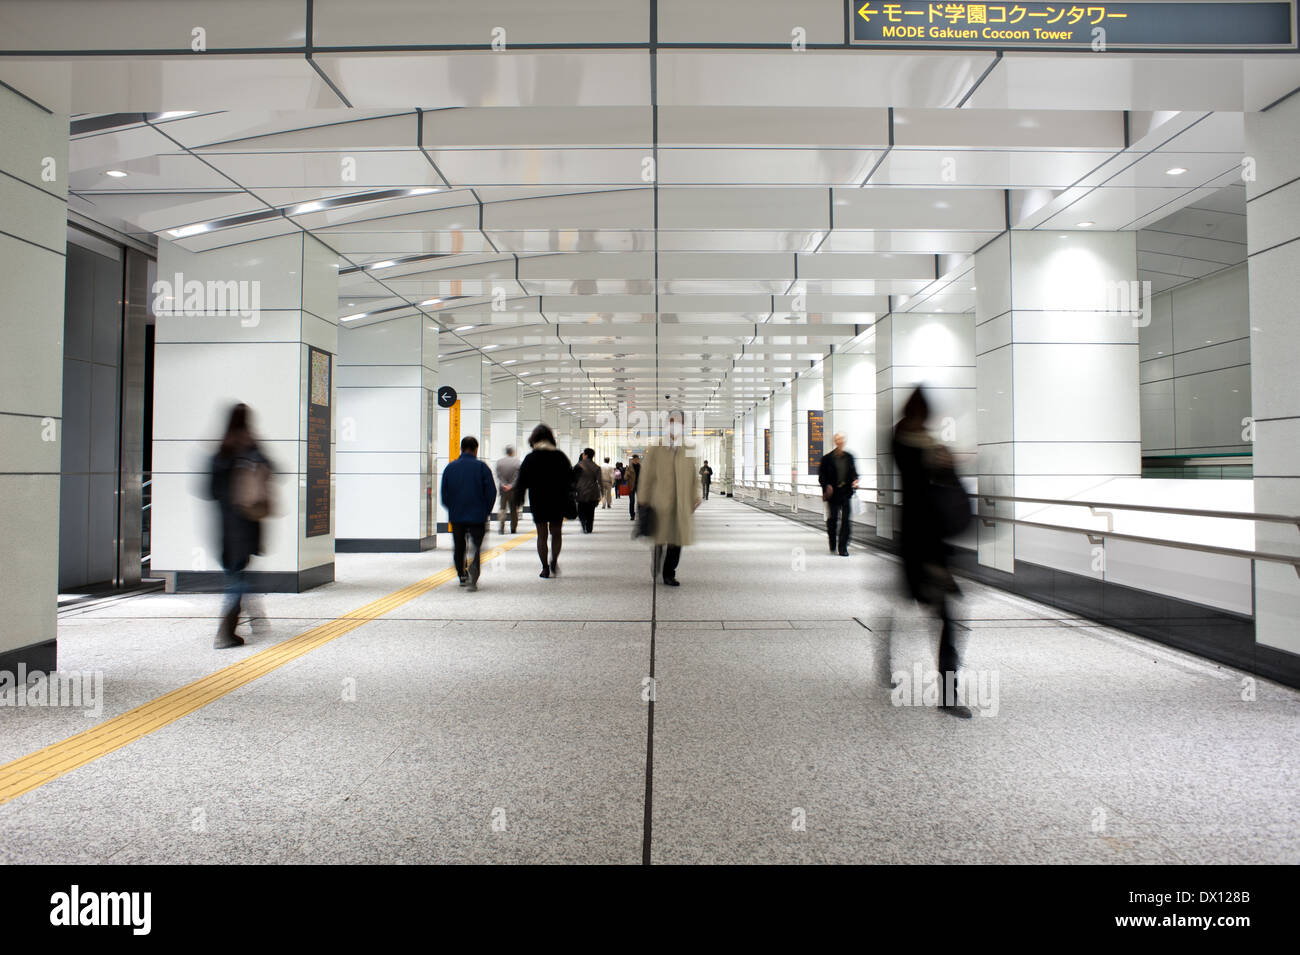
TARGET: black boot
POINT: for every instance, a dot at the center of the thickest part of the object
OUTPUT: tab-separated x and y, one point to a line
226	636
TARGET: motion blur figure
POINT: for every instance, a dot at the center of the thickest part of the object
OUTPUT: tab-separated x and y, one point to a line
546	477
606	484
631	476
924	463
241	485
669	489
468	493
838	476
586	482
706	478
507	474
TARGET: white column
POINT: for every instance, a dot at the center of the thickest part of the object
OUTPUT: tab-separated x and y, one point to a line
33	230
1057	370
505	417
472	381
782	412
387	374
530	415
1272	228
810	397
849	394
205	363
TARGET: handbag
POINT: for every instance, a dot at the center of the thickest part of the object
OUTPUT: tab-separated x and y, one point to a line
571	506
951	508
645	521
827	492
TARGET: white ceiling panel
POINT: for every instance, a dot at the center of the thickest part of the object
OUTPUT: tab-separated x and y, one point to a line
765	166
985	168
590	78
124	84
849	78
161	172
372	169
1058	130
566	167
432	22
151	25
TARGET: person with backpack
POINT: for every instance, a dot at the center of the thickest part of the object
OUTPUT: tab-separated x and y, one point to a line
241	484
932	511
468	493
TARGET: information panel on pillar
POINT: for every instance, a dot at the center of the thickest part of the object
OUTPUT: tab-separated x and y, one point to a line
318	443
1023	25
815	439
767	450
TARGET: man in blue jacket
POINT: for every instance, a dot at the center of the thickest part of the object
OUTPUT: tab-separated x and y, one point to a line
468	493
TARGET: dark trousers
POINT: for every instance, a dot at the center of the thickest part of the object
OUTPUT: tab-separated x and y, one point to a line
837	522
706	489
509	506
476	533
672	553
587	514
631	503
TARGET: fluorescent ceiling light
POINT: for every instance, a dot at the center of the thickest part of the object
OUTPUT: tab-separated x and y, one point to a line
1086	223
177	113
116	174
510	361
522	373
486	347
422	191
432	301
1175	171
464	328
305	208
382	265
348	318
188	230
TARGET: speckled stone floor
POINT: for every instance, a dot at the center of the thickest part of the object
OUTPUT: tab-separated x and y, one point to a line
512	724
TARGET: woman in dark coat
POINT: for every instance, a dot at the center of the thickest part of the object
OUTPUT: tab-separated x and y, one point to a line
922	462
547	476
237	483
586	479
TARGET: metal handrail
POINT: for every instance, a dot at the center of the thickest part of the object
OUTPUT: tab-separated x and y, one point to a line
1182	511
1098	535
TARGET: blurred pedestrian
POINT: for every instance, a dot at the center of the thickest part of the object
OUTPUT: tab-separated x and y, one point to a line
507	474
586	478
670	492
633	476
925	465
838	476
606	484
546	477
241	484
706	478
468	493
618	480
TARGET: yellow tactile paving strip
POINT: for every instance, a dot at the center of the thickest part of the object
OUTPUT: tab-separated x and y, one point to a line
45	765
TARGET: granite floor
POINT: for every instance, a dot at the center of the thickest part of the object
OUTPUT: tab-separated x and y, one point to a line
513	724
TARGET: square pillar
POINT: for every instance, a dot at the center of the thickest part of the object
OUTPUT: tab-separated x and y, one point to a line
274	350
1057	382
387	383
33	238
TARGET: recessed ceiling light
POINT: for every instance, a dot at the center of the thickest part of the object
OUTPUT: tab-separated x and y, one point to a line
972	288
432	301
348	318
305	208
510	361
177	113
486	347
1086	223
189	230
464	328
116	174
382	265
522	373
422	191
1175	171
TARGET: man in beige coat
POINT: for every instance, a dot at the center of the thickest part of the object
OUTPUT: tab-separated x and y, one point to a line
669	485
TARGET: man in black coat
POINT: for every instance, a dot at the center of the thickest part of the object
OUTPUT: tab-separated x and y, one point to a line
838	477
